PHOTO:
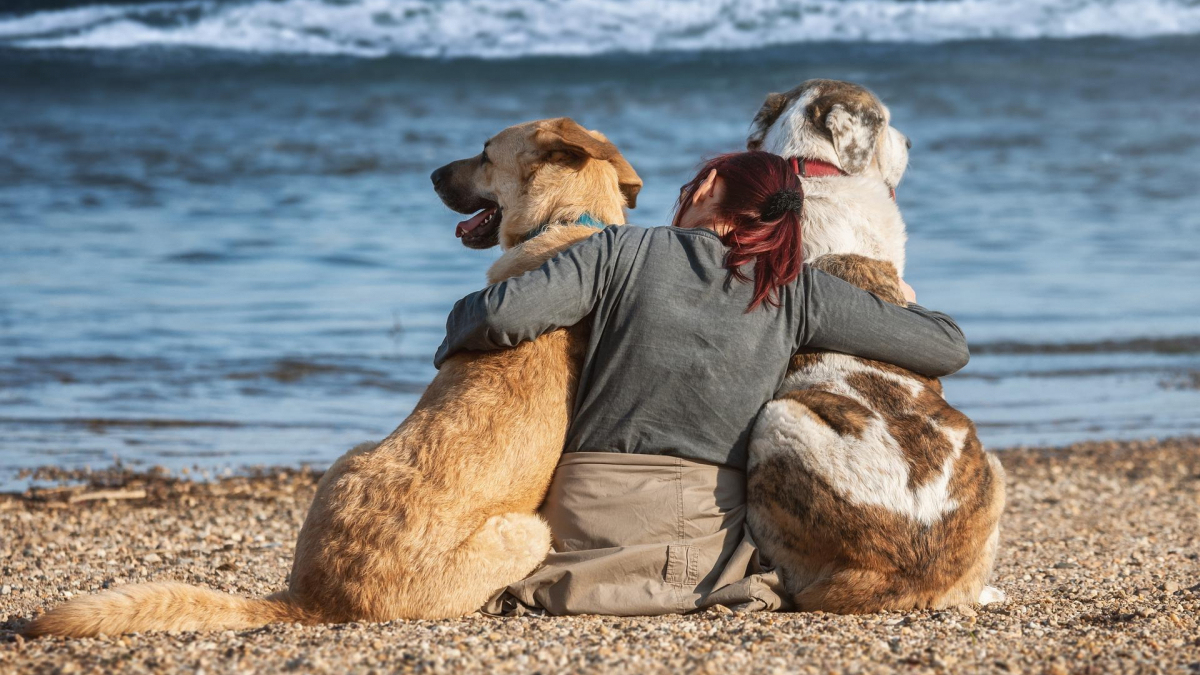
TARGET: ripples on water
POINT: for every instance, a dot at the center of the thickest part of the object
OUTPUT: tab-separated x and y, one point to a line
227	260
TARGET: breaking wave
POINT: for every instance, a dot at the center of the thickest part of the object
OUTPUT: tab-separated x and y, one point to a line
518	28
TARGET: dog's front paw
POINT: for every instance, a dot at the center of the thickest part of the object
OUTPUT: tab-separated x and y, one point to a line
991	594
522	535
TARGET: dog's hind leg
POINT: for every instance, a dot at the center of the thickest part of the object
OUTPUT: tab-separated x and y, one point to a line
504	550
973	588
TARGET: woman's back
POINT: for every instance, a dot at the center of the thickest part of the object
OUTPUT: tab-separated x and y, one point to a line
675	364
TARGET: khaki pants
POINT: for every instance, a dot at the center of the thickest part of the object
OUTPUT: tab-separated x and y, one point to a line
637	535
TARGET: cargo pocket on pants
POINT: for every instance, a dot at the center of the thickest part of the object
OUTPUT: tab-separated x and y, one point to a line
683	565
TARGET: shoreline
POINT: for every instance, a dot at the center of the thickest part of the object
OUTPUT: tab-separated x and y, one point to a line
1100	557
50	483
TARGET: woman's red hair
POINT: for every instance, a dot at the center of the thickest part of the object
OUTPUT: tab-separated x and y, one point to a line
753	180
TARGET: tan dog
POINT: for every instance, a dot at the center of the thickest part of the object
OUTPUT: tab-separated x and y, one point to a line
431	521
866	488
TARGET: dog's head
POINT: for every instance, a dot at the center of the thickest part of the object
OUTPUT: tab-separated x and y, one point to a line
837	122
534	173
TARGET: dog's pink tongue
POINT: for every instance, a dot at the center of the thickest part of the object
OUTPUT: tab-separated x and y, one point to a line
472	222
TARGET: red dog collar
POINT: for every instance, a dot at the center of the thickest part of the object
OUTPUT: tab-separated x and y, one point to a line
816	168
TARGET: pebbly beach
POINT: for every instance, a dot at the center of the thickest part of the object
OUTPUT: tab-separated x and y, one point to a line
1100	558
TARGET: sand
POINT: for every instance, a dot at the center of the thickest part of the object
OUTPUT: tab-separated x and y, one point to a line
1099	559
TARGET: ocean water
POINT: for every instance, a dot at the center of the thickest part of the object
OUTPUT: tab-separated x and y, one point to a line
219	246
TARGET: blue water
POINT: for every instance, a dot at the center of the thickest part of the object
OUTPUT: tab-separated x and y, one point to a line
219	258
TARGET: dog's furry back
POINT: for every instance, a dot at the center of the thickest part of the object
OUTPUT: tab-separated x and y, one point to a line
423	525
866	487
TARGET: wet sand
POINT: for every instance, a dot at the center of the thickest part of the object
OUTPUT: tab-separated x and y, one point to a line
1100	561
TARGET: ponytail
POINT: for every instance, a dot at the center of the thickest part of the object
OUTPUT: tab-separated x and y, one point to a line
761	206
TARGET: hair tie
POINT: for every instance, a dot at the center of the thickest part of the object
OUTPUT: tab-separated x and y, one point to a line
778	204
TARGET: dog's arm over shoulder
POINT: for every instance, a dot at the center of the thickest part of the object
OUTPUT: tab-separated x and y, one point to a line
560	293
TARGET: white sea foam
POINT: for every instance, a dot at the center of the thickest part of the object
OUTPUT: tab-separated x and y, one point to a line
516	28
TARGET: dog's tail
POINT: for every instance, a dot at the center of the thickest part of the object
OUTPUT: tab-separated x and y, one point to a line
166	606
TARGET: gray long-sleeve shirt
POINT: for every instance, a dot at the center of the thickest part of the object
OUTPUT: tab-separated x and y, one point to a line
675	365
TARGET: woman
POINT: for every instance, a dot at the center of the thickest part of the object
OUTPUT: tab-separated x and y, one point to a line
692	329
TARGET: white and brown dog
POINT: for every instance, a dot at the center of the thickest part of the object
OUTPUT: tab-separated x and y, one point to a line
865	487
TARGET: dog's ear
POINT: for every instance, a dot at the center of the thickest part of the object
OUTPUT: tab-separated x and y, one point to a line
855	134
892	154
627	179
770	111
563	139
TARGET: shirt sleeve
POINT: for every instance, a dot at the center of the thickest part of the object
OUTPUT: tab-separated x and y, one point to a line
841	317
559	293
